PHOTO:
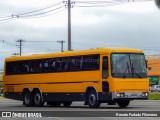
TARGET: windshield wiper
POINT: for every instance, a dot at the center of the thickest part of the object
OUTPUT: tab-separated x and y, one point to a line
124	76
134	71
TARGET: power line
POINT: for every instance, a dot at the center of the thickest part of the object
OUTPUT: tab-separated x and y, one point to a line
91	44
59	41
39	50
11	44
5	16
5	19
38	14
103	3
35	11
98	3
106	1
21	41
44	15
40	41
115	1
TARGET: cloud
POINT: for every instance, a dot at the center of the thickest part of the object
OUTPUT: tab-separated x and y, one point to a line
132	30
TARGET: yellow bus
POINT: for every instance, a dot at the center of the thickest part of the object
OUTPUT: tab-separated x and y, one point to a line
102	75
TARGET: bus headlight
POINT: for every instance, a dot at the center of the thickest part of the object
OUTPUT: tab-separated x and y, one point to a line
145	94
120	95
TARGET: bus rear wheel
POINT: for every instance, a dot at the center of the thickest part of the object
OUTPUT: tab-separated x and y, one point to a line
67	104
123	103
92	99
28	99
37	99
54	104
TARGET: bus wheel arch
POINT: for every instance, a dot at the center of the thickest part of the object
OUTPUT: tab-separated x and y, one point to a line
27	97
54	104
37	97
92	97
67	103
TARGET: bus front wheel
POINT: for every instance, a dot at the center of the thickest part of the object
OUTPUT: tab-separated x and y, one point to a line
123	103
38	99
67	104
28	99
92	99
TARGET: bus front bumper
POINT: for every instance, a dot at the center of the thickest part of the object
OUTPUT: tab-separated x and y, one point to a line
123	95
130	95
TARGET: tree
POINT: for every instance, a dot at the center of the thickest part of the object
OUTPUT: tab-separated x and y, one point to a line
157	3
1	85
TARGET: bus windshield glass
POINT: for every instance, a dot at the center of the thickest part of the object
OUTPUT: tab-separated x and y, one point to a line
128	65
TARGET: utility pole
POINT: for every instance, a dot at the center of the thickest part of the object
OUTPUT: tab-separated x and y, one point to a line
20	46
61	41
69	25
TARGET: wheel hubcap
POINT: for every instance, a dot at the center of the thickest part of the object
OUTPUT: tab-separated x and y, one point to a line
92	99
27	98
37	98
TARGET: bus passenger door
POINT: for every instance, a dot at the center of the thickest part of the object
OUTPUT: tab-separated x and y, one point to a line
105	74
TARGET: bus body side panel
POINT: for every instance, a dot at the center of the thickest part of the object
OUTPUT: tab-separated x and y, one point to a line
54	86
13	95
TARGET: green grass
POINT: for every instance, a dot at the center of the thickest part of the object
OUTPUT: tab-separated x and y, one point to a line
154	96
1	85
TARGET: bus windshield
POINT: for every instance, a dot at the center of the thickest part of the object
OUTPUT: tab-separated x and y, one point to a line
128	65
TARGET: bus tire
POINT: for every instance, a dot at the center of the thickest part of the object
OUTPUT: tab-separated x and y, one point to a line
54	104
28	99
123	103
37	99
92	99
67	103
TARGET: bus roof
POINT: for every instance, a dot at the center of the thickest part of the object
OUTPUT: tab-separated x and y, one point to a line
75	53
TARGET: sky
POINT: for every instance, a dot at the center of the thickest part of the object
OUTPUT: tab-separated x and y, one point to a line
119	24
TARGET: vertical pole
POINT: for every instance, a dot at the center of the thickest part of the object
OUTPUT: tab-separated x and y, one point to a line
69	26
20	42
20	46
61	41
62	46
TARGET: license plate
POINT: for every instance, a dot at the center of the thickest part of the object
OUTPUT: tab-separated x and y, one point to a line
134	94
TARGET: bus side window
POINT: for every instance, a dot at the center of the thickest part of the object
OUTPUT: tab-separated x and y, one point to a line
105	68
46	65
65	64
72	64
58	64
91	62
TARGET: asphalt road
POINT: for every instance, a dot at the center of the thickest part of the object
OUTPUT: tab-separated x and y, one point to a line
135	106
